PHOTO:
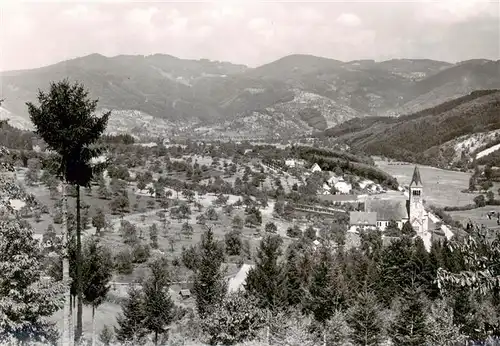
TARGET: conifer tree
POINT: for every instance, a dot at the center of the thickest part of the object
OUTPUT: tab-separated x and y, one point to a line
410	327
338	330
408	230
264	281
131	319
158	305
326	291
106	335
422	269
397	271
209	285
67	122
365	320
26	299
293	281
97	271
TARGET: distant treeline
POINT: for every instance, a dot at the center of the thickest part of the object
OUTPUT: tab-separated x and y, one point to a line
304	152
118	139
14	138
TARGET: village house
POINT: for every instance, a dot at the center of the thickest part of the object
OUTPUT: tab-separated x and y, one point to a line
341	186
294	163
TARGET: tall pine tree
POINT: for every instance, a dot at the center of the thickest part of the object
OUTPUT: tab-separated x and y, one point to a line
158	305
265	280
294	283
365	320
131	319
410	327
209	285
66	120
327	291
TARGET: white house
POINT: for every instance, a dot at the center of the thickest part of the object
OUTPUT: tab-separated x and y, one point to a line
343	187
290	163
316	168
340	185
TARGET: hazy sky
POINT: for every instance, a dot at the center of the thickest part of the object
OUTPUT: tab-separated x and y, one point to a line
248	32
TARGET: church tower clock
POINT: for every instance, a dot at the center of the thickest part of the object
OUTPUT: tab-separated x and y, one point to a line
418	216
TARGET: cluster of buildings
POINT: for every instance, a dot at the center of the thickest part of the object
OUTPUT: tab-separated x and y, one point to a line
379	213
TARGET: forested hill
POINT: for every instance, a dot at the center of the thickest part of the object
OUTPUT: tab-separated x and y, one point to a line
421	137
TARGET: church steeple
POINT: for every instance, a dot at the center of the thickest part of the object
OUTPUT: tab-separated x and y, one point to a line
417	214
416	180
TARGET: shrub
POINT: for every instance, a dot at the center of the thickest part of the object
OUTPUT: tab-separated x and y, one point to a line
141	253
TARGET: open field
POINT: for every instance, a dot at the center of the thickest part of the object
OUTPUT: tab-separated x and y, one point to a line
477	216
441	187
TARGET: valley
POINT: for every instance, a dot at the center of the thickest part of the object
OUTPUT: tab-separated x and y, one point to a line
281	188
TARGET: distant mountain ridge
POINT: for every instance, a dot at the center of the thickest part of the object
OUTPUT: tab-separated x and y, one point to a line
305	90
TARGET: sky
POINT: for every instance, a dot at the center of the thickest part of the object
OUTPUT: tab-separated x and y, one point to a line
248	32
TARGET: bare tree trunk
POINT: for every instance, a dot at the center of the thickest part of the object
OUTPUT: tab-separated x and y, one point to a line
67	311
267	328
93	325
324	335
79	311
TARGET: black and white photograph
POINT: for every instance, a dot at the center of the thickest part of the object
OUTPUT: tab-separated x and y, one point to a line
250	173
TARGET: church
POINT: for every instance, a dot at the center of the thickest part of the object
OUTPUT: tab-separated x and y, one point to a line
379	212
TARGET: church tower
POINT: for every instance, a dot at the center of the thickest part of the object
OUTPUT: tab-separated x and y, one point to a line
417	214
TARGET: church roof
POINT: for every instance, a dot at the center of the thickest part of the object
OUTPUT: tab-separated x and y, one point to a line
362	218
416	180
387	210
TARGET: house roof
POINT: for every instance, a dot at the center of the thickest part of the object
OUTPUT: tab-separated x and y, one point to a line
387	210
362	218
237	282
416	180
316	167
185	292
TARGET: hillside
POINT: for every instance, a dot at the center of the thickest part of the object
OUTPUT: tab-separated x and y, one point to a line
424	136
314	92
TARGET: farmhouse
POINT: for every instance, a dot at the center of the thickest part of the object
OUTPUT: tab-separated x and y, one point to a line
340	185
379	212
